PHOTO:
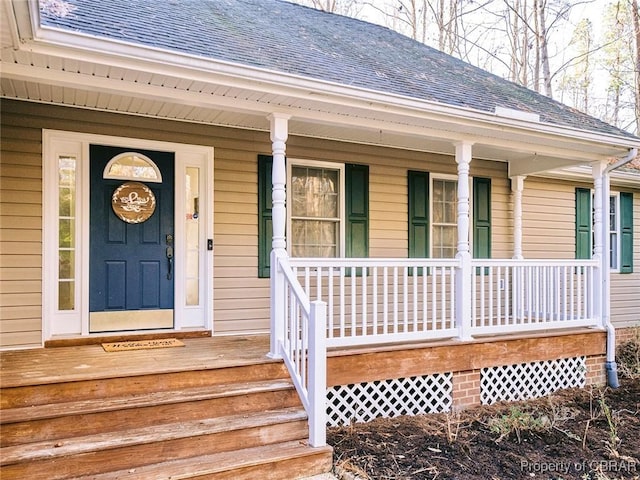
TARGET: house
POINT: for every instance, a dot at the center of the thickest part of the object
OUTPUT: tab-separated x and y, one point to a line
328	214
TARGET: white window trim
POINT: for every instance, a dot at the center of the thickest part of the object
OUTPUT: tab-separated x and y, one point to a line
616	267
291	162
605	225
76	322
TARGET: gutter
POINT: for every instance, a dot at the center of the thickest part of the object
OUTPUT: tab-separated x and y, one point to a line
623	161
610	365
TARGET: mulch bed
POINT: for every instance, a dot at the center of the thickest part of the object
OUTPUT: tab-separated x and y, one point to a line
585	434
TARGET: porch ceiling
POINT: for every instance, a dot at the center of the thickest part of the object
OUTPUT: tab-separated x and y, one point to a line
192	90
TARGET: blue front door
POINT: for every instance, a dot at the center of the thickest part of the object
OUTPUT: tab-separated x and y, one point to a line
131	264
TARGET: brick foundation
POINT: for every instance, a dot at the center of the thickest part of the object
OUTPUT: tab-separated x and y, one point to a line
624	335
466	389
596	371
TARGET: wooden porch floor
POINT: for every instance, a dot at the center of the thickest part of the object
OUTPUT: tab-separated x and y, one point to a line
90	362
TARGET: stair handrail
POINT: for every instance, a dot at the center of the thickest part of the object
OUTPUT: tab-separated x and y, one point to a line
303	348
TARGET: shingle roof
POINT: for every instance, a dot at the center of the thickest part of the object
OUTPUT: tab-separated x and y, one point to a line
285	37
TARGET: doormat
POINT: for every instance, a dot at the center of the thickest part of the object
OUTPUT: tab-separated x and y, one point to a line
142	345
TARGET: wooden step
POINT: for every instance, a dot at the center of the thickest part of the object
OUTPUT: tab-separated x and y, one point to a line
281	461
53	410
102	388
134	448
83	417
217	409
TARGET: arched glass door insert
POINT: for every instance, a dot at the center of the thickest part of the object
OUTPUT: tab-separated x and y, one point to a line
132	166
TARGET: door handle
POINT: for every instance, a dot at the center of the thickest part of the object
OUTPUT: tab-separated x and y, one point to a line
170	261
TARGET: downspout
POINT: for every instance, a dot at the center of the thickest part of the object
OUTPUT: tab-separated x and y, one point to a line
610	365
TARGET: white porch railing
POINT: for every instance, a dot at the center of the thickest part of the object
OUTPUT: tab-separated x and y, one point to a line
304	351
510	296
348	302
382	300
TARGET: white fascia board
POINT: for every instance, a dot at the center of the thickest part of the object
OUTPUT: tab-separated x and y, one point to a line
85	47
10	19
583	173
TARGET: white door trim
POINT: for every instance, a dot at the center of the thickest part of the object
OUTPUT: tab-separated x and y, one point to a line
75	322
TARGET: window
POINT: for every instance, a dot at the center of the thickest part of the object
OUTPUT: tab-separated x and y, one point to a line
614	225
132	166
619	227
67	225
433	207
445	225
328	210
316	213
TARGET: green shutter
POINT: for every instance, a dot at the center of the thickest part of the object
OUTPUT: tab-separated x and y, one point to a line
583	223
265	219
481	217
357	210
418	191
626	232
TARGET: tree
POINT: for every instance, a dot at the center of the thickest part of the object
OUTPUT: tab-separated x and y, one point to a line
576	80
635	15
535	54
343	7
619	60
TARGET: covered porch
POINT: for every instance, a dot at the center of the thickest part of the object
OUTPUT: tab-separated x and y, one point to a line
322	304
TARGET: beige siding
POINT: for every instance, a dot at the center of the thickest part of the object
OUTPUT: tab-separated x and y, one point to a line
20	235
241	299
548	219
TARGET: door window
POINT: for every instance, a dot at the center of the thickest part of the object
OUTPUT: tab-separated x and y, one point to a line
132	166
67	241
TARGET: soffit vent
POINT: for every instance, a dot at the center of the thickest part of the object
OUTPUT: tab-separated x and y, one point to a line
517	114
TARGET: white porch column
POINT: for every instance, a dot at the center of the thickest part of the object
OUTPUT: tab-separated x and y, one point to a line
600	240
279	134
463	278
517	186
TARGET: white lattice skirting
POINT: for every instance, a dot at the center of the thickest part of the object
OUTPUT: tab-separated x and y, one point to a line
389	398
531	380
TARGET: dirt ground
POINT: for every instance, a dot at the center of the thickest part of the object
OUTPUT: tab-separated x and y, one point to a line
586	434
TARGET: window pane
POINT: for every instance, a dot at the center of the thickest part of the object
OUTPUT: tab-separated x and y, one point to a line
192	229
66	232
66	294
438	191
613	232
66	265
613	252
444	241
299	191
450	191
312	238
133	166
193	293
612	214
67	202
67	172
314	192
450	212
